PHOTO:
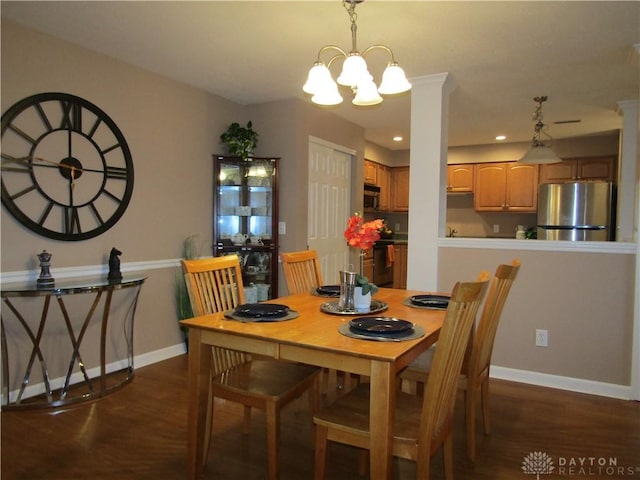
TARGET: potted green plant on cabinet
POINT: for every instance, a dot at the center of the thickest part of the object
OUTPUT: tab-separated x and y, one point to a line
240	141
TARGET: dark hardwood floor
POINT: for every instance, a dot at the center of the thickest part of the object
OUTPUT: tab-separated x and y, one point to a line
139	432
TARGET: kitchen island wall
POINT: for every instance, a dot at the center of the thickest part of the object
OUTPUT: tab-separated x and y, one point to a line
580	292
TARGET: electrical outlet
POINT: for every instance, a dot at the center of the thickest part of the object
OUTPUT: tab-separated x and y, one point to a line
496	228
397	227
542	338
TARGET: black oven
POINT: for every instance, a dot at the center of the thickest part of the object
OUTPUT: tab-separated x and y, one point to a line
382	265
371	201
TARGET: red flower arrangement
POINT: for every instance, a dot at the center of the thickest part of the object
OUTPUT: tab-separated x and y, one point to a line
361	234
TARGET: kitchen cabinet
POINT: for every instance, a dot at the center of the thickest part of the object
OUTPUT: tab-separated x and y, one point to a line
580	169
460	178
383	175
400	189
245	218
400	266
505	187
367	264
370	170
380	176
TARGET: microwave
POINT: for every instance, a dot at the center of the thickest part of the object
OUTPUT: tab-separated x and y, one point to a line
371	201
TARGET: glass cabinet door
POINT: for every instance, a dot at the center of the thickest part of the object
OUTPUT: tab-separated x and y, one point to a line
245	220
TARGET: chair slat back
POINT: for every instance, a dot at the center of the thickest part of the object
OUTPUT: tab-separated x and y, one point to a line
215	285
441	388
482	350
301	271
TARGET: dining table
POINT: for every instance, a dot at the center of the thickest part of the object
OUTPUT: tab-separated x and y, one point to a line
314	337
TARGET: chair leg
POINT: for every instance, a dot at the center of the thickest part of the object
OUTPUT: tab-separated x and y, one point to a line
246	423
470	416
448	456
363	462
321	452
423	465
273	437
314	402
485	407
208	430
331	380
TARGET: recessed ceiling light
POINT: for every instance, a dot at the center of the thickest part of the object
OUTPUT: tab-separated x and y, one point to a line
501	137
397	138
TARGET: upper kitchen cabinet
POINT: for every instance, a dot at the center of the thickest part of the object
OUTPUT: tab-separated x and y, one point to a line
370	171
380	176
384	182
506	187
580	169
460	178
400	190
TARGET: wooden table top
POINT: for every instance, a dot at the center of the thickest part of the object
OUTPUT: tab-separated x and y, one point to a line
316	329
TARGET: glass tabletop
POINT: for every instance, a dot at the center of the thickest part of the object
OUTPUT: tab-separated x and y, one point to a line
69	285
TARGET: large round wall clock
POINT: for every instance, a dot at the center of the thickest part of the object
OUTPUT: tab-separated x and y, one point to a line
67	172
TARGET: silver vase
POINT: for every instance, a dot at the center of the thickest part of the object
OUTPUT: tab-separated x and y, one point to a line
347	291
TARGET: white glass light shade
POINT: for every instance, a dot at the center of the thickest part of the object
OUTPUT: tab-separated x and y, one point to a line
354	69
367	93
394	80
329	95
539	154
319	77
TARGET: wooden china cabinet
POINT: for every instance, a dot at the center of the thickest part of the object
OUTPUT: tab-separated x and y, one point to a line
245	218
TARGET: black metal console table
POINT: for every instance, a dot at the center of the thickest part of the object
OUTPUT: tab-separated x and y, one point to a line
99	287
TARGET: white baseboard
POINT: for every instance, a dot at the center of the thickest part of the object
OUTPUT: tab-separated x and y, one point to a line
563	383
159	355
503	373
138	362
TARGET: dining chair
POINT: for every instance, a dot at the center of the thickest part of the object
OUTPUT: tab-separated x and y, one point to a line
215	285
301	271
421	424
474	376
302	274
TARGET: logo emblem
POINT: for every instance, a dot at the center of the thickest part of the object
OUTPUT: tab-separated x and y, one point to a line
537	463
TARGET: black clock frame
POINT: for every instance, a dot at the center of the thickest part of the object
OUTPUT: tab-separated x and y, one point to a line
70	168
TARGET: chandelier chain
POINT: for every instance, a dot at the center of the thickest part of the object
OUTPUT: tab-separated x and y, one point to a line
353	16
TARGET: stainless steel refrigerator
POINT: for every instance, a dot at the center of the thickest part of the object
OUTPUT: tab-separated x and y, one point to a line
576	211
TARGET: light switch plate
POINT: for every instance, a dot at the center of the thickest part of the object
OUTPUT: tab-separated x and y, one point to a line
282	228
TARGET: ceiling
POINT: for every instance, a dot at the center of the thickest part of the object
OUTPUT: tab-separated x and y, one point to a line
582	55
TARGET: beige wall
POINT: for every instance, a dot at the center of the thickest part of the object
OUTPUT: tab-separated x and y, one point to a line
584	300
172	130
287	127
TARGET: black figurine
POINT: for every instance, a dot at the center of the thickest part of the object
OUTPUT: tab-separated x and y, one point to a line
114	264
45	279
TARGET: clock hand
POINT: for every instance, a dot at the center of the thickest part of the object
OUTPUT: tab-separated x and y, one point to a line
51	164
71	185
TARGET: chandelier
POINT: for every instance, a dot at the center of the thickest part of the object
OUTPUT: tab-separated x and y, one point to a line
539	152
355	74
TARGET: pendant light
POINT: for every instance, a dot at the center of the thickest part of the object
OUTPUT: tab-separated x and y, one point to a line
539	153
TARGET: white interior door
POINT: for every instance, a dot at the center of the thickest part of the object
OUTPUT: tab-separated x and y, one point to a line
329	205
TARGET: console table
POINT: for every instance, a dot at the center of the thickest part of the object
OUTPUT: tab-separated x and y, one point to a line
100	288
